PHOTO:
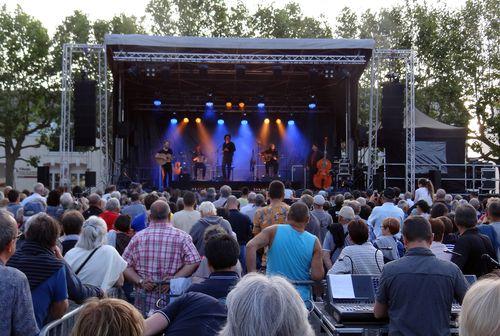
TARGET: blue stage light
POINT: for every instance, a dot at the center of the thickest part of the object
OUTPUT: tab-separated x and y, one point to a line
261	106
220	122
157	102
244	122
173	121
291	122
312	106
209	104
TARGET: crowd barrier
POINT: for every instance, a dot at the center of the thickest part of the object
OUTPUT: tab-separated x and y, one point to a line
63	326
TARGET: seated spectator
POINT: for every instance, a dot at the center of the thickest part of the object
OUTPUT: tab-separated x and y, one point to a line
208	217
222	252
335	239
185	219
16	316
250	303
94	206
390	246
437	247
241	226
438	209
360	258
140	222
93	261
72	222
292	252
111	213
480	305
42	262
135	208
14	202
419	287
108	317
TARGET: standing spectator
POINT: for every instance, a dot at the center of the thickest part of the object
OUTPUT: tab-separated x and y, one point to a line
293	252
122	233
135	208
391	247
437	247
425	191
41	261
313	225
419	287
16	316
255	201
141	222
439	196
158	253
14	202
337	237
67	203
72	222
54	208
476	205
208	217
324	218
241	225
471	244
421	208
338	202
95	206
38	192
111	213
493	215
185	219
387	209
243	200
225	192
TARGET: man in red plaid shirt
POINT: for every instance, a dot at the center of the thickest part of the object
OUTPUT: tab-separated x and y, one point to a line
158	253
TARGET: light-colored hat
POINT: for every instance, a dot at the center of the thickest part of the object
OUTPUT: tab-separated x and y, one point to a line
346	212
319	200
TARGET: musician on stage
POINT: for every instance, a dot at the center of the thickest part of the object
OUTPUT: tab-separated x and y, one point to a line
228	149
271	158
312	159
164	157
199	160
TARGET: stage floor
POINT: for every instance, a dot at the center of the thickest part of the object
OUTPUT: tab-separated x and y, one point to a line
235	185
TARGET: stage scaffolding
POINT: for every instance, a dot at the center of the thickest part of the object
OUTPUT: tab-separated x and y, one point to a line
409	59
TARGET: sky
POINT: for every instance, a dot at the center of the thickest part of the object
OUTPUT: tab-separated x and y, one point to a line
52	12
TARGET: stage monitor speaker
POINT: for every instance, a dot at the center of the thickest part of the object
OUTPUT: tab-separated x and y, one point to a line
90	180
85	113
43	175
435	177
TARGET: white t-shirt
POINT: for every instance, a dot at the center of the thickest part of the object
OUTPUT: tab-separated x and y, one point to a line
423	193
185	219
102	270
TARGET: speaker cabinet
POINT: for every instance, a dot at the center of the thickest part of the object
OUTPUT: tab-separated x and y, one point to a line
90	179
43	175
85	113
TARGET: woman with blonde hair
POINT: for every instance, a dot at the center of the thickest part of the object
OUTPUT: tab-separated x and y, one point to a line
108	317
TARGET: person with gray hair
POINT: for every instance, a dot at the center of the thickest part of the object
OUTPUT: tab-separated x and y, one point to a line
251	207
16	316
250	302
313	226
94	262
67	201
111	213
95	206
225	192
38	192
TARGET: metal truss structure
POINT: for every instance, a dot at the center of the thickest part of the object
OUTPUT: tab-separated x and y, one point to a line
65	143
132	56
409	59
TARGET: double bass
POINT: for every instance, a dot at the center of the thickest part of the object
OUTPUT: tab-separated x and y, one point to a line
322	179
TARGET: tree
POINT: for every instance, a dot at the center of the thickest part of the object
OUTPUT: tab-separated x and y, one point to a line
347	24
27	103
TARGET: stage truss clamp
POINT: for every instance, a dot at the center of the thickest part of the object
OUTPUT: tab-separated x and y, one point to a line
65	143
409	59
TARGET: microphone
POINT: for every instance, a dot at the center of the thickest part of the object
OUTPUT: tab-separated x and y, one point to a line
488	258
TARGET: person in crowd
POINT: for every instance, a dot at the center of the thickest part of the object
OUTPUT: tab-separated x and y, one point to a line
493	215
481	303
447	201
14	202
30	209
487	226
293	252
289	193
208	217
471	244
111	212
186	218
419	286
54	208
243	200
67	203
17	316
40	260
135	208
95	204
122	233
438	209
449	236
324	218
38	192
140	222
390	246
241	225
439	196
421	208
339	203
365	212
313	225
255	202
476	205
386	210
225	192
361	257
93	261
250	204
108	317
211	194
425	191
337	237
249	305
72	222
173	253
439	249
179	204
222	253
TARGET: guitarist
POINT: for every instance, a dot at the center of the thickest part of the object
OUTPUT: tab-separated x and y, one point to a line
199	162
164	157
270	157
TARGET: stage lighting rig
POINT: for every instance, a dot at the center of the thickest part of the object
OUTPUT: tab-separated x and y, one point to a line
244	122
198	120
291	122
210	101
278	121
241	105
220	121
173	121
329	73
312	103
229	105
266	121
157	102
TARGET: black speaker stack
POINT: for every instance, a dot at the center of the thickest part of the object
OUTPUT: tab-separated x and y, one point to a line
43	175
84	113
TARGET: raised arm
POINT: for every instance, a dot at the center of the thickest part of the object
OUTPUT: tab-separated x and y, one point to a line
263	239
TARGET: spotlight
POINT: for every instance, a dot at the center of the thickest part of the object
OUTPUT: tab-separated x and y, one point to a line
266	121
291	122
312	102
229	105
329	73
185	120
173	121
157	102
244	122
312	106
209	104
278	121
198	120
220	122
261	105
241	105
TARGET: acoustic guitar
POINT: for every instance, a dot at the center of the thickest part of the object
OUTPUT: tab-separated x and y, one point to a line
162	158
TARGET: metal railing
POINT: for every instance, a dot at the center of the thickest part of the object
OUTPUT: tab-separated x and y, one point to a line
62	326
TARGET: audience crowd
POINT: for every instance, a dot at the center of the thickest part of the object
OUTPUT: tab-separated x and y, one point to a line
227	262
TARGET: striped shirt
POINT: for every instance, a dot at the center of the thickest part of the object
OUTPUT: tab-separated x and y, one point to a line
359	259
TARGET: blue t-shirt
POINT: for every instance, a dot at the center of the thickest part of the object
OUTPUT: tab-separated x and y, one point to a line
218	284
139	223
53	289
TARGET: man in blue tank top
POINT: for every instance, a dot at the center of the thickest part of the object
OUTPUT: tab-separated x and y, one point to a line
293	253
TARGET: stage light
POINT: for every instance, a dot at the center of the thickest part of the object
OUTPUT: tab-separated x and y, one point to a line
291	122
261	106
278	121
229	105
312	106
241	105
173	121
209	104
220	122
157	102
266	121
198	120
244	122
185	120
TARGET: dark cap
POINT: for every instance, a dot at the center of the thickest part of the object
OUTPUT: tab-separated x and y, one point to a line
389	193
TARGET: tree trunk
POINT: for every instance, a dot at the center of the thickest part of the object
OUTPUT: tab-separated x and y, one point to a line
10	161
